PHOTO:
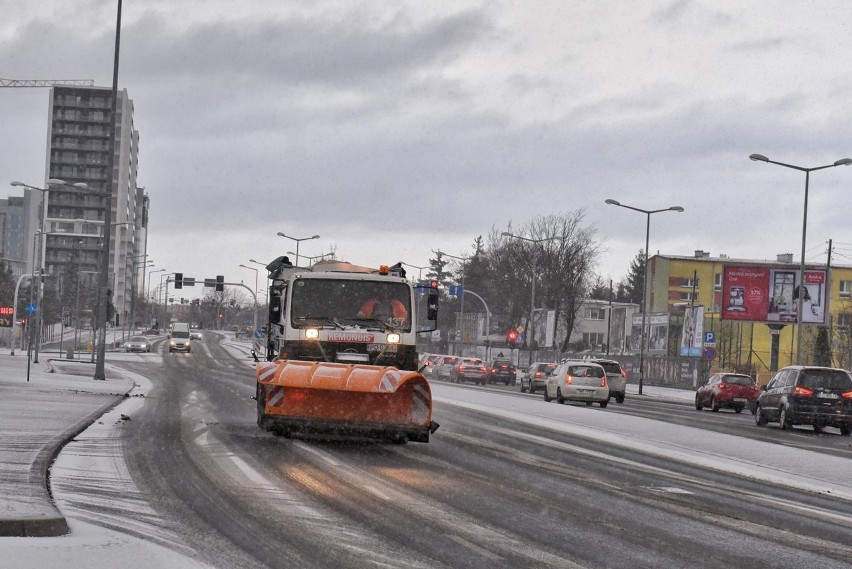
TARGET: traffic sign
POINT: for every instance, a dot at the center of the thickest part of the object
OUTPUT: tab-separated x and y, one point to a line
709	338
258	334
710	354
456	290
32	308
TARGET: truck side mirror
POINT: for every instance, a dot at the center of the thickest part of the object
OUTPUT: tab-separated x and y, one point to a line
432	308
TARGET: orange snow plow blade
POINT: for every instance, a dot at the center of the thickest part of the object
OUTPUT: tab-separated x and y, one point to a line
344	399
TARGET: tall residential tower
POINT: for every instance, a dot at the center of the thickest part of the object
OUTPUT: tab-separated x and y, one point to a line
78	151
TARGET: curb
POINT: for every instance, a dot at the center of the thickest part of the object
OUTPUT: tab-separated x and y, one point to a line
53	524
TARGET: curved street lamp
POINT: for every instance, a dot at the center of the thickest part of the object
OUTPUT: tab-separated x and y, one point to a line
298	240
807	171
648	213
533	267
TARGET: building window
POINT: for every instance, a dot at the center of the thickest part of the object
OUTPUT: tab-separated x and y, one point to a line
844	320
717	281
685	282
593	339
596	313
687	296
845	289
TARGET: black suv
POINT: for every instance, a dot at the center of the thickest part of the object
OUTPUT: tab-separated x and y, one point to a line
502	370
807	395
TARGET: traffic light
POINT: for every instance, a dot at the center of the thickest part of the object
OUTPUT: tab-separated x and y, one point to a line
220	283
178	280
512	336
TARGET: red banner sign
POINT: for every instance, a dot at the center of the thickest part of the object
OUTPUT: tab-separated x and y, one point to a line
771	295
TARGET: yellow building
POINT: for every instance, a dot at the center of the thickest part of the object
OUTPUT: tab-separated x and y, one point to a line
678	281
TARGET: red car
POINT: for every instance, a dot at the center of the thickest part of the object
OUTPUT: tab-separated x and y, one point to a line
732	390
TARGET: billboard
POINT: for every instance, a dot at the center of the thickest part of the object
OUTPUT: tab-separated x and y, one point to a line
656	331
771	295
692	337
6	314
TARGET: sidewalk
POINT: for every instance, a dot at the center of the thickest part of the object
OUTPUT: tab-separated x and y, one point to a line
37	418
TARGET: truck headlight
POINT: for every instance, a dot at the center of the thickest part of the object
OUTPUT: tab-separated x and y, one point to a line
312	333
393	338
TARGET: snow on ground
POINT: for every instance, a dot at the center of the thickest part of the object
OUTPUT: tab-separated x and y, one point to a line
770	462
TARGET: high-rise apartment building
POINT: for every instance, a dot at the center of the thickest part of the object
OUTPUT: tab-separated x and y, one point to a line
13	232
73	220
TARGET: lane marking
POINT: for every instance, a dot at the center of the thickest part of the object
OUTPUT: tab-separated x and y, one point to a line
473	547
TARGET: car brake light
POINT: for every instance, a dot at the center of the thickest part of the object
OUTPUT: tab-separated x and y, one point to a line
623	373
567	379
847	395
603	381
537	374
462	368
802	392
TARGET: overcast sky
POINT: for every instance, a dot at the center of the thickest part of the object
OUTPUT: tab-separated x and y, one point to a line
393	129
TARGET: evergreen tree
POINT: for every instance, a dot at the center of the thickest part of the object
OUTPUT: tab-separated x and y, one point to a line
600	289
822	350
634	283
7	284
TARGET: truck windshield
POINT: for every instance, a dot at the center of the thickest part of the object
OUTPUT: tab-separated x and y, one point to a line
368	304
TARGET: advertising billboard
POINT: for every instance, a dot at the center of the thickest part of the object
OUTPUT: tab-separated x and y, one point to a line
692	337
6	313
656	332
771	295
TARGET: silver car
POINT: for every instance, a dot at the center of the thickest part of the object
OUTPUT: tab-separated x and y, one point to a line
616	378
137	344
578	381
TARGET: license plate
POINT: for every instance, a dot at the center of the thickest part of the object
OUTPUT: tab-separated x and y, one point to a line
828	396
740	400
587	391
389	348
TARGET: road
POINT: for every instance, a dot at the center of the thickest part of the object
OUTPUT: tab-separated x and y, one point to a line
485	492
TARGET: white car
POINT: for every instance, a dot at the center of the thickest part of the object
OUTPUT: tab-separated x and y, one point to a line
137	344
578	381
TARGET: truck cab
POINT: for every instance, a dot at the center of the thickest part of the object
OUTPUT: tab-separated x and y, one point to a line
339	312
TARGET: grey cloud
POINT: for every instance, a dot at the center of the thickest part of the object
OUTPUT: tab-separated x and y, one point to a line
297	50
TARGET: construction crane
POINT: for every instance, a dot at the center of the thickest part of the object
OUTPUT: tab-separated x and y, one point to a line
46	82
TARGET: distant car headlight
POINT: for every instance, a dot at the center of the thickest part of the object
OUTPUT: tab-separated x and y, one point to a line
312	333
393	338
172	343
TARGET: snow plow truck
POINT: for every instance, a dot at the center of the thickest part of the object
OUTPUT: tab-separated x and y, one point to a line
341	357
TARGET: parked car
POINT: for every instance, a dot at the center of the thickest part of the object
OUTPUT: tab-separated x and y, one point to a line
137	344
470	369
578	381
730	390
502	370
444	367
536	376
616	378
807	395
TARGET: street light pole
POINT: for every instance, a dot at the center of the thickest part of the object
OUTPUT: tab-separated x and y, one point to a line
644	276
309	258
148	298
420	269
42	249
534	267
807	171
464	260
254	329
298	240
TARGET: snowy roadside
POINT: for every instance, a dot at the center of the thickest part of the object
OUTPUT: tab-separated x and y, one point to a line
777	464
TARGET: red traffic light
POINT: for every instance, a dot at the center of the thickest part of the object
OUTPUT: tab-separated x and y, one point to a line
512	336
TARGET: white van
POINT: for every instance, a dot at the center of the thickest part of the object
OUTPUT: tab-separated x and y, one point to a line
179	340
